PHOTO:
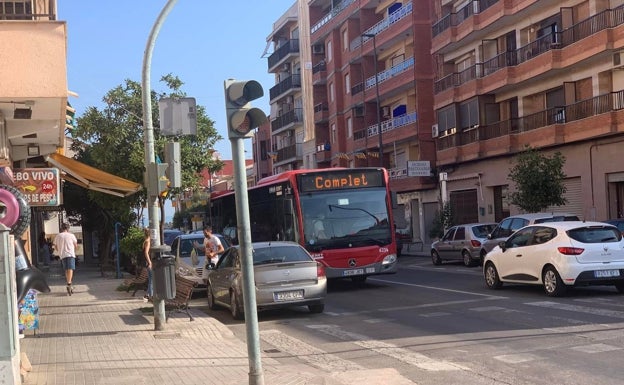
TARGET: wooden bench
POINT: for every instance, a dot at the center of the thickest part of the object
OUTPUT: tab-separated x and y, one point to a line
184	291
137	282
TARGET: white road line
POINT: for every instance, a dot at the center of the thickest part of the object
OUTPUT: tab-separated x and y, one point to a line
596	348
308	353
489	296
578	309
404	355
516	358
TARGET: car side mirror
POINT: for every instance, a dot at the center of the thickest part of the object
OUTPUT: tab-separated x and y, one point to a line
503	245
489	236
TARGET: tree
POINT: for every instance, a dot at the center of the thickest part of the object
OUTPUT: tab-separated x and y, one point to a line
442	221
111	139
539	180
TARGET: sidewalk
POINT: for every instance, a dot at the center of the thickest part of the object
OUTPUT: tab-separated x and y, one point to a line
100	336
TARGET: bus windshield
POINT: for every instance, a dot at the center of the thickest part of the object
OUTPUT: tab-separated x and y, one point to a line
339	219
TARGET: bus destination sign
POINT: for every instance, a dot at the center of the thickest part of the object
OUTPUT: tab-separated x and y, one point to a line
338	180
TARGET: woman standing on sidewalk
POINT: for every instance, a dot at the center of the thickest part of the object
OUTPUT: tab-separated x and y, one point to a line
147	242
65	244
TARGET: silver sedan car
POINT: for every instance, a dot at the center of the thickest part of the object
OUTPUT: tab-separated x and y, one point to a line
285	275
461	243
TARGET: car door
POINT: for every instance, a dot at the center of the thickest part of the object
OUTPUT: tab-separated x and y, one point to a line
219	278
445	246
517	256
458	242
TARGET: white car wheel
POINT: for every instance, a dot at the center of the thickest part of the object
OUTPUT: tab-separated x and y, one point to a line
553	285
491	277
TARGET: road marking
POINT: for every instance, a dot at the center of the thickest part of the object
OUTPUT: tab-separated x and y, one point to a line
308	353
516	358
435	314
405	355
489	296
378	320
596	348
578	309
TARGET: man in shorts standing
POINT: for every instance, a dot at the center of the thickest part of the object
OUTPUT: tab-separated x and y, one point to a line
65	245
212	246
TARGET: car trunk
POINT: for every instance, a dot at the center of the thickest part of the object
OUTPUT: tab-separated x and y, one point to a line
285	274
600	252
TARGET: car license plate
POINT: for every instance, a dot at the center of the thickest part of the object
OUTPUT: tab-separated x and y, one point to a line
348	273
606	273
288	295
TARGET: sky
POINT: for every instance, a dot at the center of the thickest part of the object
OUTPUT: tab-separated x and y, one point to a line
202	42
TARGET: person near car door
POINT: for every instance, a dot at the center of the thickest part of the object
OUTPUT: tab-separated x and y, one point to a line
212	246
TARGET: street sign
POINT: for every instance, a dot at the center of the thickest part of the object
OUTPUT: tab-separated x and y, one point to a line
418	168
178	116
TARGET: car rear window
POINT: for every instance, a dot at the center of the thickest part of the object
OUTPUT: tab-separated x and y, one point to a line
558	218
482	231
279	254
595	234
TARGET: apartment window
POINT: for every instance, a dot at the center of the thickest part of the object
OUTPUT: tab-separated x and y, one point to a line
446	118
469	113
332	92
349	127
329	51
345	40
333	133
347	82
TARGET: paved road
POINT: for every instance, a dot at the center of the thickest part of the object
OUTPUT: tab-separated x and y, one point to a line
441	325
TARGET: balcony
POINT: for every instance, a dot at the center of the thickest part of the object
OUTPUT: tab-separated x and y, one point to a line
390	124
381	26
289	154
287	120
332	14
560	41
389	73
319	73
291	47
456	18
283	88
571	120
321	112
23	10
323	152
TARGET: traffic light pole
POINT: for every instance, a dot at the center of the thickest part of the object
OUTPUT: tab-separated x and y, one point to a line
150	156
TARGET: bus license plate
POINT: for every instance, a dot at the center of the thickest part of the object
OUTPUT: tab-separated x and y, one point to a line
348	273
288	295
606	273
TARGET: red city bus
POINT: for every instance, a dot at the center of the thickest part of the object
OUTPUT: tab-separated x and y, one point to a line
342	216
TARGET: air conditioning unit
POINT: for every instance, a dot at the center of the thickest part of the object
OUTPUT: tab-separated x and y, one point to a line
451	131
286	67
318	49
434	131
385	112
358	111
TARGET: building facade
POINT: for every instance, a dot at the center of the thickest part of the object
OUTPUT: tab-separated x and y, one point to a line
519	73
367	71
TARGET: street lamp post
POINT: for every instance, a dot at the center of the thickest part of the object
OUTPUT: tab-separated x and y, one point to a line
372	35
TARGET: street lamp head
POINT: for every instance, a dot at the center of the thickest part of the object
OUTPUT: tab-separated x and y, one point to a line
368	35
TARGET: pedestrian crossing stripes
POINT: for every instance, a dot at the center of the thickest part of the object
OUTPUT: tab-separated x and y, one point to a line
578	309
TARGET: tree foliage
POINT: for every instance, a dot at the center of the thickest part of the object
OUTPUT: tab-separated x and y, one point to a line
111	139
539	180
442	221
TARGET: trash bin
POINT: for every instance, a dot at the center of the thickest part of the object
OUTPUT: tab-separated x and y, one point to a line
163	266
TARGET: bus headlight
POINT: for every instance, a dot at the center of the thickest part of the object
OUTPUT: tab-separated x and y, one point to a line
389	259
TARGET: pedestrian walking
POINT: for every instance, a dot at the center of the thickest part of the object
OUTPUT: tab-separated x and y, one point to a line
147	243
212	246
65	244
44	249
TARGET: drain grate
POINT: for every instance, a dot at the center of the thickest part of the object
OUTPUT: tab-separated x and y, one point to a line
167	336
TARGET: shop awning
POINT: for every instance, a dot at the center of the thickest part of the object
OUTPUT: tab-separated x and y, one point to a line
91	177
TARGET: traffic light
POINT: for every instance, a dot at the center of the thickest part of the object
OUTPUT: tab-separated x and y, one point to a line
157	179
241	117
70	117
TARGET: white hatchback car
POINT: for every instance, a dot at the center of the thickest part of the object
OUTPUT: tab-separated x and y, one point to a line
558	255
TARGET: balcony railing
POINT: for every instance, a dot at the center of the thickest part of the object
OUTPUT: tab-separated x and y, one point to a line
382	25
391	124
291	46
319	67
607	19
23	10
455	18
613	101
389	73
292	116
285	85
333	13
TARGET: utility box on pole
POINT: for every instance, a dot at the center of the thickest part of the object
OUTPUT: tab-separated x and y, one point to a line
178	116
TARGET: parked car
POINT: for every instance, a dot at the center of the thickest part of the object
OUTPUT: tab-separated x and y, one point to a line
190	261
510	224
558	255
285	275
619	223
461	243
170	234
